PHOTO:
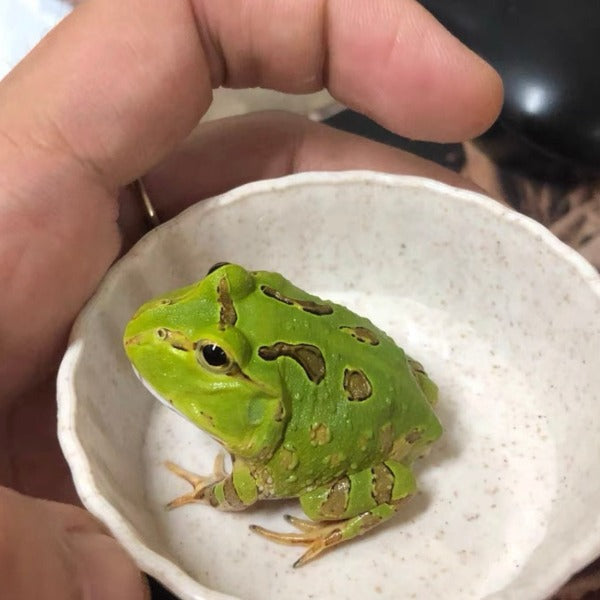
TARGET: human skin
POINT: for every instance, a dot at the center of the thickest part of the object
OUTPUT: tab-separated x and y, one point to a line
112	94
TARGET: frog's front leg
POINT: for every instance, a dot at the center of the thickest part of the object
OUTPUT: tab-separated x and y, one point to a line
346	509
232	492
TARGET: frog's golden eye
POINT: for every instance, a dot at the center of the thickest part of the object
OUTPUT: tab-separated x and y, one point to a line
212	357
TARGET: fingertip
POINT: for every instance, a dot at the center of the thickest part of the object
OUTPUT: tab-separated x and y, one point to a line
412	75
478	94
493	100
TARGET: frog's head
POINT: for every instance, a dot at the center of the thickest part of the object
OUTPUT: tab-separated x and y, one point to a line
187	350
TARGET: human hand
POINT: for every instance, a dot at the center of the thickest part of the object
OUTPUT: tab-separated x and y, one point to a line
109	96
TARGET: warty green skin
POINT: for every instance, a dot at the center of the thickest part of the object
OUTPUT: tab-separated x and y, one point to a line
293	430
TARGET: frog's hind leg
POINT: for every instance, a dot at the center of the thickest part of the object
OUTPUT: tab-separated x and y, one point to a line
428	387
349	507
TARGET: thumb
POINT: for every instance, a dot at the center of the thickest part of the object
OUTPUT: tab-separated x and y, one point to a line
51	550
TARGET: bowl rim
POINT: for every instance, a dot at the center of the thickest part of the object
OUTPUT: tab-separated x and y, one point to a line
167	572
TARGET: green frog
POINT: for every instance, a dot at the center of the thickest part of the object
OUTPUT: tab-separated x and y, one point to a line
311	401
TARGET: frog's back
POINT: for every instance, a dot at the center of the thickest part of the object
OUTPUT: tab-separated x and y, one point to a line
356	397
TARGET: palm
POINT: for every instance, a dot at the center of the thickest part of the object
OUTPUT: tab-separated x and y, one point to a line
33	462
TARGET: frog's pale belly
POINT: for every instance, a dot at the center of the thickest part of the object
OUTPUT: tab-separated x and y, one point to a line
154	392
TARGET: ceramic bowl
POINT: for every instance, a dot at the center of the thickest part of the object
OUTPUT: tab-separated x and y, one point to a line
505	318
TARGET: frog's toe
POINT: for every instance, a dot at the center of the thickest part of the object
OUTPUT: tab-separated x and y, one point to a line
196	495
192	478
318	546
316	536
193	496
303	524
291	539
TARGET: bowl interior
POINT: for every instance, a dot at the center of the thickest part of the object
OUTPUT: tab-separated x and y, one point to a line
505	319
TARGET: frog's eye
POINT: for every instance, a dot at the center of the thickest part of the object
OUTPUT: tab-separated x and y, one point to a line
212	357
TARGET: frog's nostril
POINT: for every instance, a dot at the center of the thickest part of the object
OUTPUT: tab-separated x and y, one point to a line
162	333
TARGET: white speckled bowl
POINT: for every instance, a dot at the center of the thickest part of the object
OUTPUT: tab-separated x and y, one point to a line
505	318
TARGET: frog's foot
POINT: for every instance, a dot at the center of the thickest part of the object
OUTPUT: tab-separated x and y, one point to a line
316	535
199	482
332	523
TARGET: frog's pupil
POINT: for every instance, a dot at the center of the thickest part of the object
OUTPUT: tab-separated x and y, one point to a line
214	355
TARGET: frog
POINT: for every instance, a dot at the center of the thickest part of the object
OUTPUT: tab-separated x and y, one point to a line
310	400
